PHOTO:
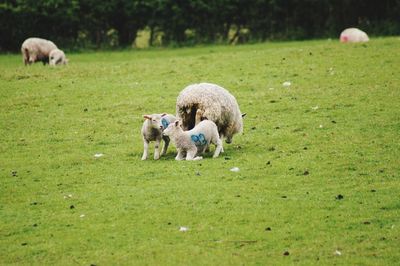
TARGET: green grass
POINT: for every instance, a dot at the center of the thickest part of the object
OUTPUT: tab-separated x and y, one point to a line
294	159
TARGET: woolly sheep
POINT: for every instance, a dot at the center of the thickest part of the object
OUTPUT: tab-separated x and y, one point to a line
353	35
194	141
57	57
36	49
152	131
215	103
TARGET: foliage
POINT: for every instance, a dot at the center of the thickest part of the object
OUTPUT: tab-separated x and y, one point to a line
87	22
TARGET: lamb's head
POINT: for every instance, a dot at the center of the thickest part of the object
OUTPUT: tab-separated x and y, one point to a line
157	121
153	120
57	57
173	128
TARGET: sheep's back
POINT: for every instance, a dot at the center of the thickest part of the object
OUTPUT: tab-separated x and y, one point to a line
213	99
217	103
38	45
353	35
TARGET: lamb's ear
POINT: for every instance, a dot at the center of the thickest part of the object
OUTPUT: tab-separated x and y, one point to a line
164	114
147	117
177	123
244	114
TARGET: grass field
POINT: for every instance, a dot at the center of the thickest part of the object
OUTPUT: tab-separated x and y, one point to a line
319	161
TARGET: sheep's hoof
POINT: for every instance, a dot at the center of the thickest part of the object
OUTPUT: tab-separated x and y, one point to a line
144	158
197	158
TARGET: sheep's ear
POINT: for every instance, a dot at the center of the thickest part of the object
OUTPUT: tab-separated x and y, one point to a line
147	117
177	123
244	114
164	114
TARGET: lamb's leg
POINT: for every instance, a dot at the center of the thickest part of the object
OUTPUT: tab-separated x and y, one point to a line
179	156
146	149
165	147
191	155
157	149
205	149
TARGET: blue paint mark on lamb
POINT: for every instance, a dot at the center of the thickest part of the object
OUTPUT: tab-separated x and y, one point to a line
199	139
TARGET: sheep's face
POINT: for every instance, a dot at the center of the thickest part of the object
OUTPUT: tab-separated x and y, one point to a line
157	121
57	57
172	128
153	120
32	58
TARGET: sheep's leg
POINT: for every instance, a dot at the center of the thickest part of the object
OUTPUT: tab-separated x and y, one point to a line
165	147
179	156
222	141
199	113
191	155
157	149
25	56
145	150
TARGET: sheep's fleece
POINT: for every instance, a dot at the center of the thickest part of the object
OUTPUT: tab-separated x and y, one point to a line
353	35
36	49
215	103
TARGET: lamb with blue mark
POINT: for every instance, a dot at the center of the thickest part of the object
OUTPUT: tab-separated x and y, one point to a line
194	142
152	129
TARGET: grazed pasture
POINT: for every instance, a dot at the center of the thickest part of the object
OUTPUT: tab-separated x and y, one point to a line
318	179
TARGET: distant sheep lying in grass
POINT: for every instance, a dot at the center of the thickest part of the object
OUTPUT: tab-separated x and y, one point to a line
152	131
353	35
36	49
193	142
213	103
57	57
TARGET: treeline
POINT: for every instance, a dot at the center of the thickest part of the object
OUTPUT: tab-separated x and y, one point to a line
105	23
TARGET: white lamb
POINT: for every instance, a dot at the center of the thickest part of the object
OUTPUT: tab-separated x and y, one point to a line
353	35
213	103
36	49
193	142
152	129
57	57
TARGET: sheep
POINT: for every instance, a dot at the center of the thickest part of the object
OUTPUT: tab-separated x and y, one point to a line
209	101
194	141
36	49
57	57
353	35
152	131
